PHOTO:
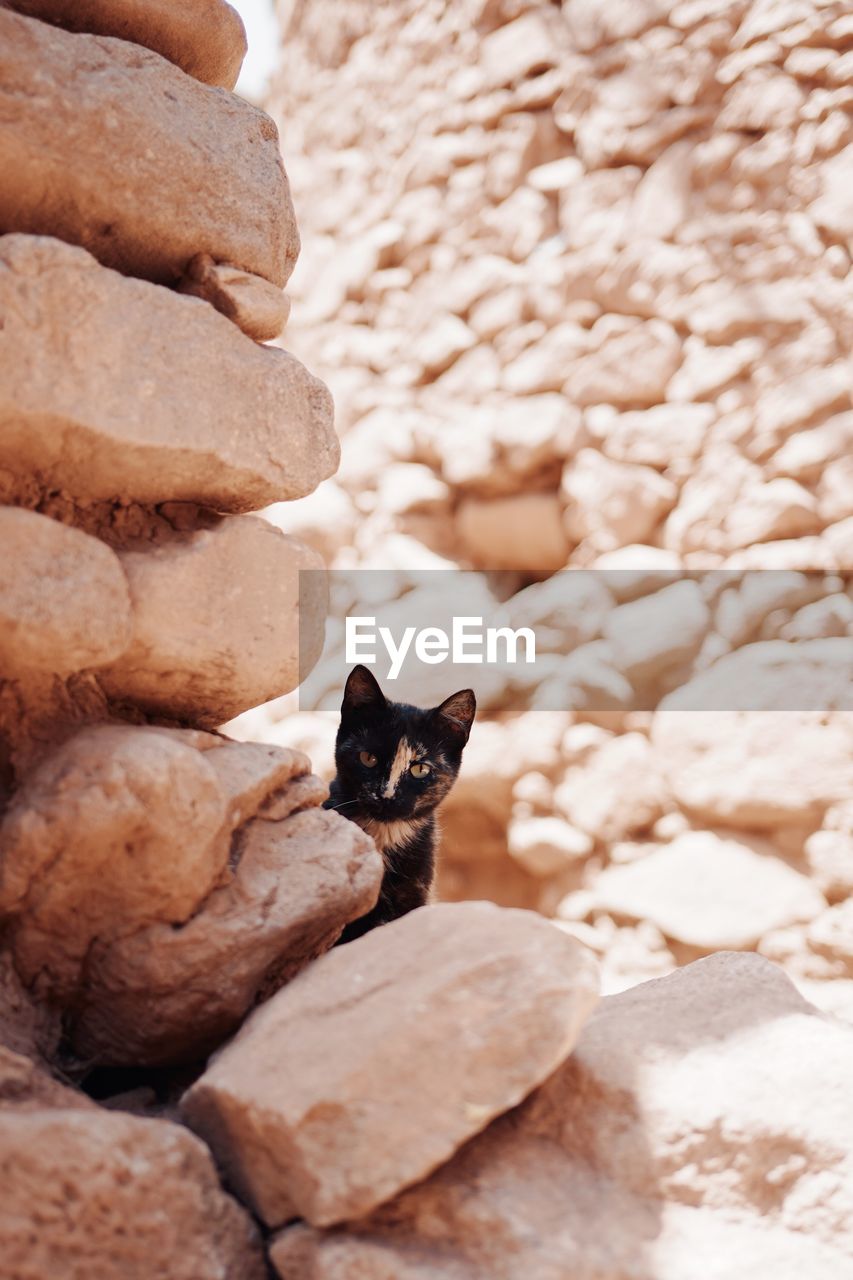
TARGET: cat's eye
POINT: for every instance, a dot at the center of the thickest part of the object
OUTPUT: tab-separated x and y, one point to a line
367	758
419	769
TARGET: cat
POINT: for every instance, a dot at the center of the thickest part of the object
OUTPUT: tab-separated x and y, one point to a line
395	764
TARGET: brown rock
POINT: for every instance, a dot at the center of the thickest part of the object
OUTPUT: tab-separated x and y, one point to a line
84	846
696	1118
94	1195
524	531
252	303
205	38
115	388
246	622
53	581
200	169
374	1066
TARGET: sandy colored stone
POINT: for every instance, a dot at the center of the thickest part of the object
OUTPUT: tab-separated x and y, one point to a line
521	532
616	792
205	38
124	829
171	993
610	504
545	846
657	633
235	640
94	1195
255	305
116	388
702	1115
754	770
54	581
200	169
710	891
373	1068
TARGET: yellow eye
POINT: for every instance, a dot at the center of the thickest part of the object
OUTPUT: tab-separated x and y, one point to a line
419	769
367	758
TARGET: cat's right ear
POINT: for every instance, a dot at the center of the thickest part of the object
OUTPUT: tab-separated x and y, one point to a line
361	693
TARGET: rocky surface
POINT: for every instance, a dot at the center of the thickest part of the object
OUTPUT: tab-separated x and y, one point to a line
205	38
593	313
155	397
201	171
363	1076
151	968
702	1120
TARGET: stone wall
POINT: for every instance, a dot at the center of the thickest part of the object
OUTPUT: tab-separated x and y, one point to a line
579	277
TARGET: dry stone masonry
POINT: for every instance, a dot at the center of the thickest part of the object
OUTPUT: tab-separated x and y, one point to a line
579	275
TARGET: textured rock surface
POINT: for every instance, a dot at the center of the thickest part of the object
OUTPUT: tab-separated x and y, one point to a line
370	1070
92	1195
255	306
53	582
702	1120
154	966
115	388
205	38
201	171
236	639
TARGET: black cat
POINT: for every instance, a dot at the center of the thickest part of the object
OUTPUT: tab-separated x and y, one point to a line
395	764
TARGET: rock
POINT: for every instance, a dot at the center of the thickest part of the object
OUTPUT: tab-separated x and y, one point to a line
520	49
695	1118
201	171
102	814
565	611
119	389
53	581
255	305
92	1194
524	531
711	892
515	441
631	366
813	675
610	504
171	993
781	508
442	344
248	622
829	852
545	365
739	769
656	436
545	846
205	38
617	792
833	209
658	633
284	1107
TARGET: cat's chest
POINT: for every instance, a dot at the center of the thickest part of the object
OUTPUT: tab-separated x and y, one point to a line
400	834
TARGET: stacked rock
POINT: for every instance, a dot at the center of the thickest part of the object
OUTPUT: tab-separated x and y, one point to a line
156	879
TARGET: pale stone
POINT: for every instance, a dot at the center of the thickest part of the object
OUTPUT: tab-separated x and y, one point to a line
200	169
658	435
92	1194
520	532
249	626
617	791
53	582
704	1115
283	1106
629	368
115	388
709	891
255	305
545	846
205	38
613	503
658	632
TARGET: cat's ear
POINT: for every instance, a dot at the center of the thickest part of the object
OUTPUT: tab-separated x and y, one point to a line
456	715
362	692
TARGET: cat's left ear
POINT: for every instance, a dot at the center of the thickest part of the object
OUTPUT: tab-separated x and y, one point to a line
456	715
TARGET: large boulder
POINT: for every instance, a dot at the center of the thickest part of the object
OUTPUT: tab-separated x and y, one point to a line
376	1064
53	581
222	621
155	882
118	390
200	168
205	38
87	1194
701	1127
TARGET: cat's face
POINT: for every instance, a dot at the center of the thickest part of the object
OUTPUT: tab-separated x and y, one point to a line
395	761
